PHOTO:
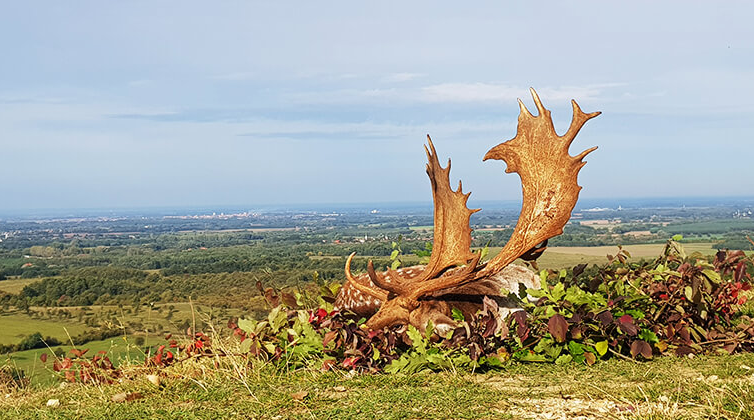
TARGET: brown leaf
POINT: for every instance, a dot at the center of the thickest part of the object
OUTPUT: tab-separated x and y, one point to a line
590	358
328	337
641	347
684	350
43	357
131	396
299	396
606	318
558	327
289	300
578	270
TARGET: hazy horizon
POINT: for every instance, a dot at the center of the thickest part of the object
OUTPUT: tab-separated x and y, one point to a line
143	104
390	206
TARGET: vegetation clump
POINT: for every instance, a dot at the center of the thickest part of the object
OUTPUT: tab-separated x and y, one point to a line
677	304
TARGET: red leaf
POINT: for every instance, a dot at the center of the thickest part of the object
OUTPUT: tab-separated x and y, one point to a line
350	362
626	324
79	353
43	357
558	327
740	271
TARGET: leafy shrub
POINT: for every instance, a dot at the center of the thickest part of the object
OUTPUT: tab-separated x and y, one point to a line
674	305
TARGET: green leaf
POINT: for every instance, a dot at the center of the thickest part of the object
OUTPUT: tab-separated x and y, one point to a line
417	340
648	336
677	237
247	325
397	365
485	251
457	315
688	292
601	347
277	318
557	292
575	348
394	254
537	293
245	346
526	355
564	359
395	264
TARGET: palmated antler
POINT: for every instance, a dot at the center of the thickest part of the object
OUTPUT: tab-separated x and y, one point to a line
550	191
548	177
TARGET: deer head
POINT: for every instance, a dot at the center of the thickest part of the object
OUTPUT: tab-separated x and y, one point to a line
550	191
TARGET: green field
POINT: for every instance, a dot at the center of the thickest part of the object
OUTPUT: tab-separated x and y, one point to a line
15	286
118	349
16	326
558	257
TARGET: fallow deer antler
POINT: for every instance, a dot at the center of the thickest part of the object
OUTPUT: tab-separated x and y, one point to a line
548	177
550	191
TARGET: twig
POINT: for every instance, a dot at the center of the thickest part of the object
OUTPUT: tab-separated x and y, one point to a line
193	317
622	356
725	340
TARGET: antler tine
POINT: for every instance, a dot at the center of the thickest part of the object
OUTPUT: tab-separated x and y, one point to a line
393	287
579	119
538	102
379	294
524	110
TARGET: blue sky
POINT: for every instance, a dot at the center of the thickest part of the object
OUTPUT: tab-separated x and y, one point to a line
132	104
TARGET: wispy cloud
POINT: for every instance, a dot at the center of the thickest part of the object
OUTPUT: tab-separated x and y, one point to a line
236	76
401	77
496	92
